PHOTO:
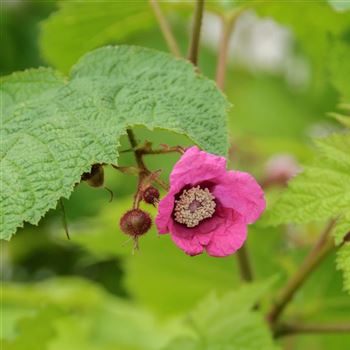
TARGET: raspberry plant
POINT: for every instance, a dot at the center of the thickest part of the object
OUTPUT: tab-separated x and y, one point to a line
62	125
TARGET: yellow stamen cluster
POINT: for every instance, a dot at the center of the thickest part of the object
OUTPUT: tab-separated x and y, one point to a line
193	206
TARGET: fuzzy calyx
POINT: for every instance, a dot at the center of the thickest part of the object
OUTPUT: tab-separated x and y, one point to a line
135	222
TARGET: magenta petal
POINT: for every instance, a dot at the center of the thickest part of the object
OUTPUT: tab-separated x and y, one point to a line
229	236
196	166
187	239
240	191
165	209
193	167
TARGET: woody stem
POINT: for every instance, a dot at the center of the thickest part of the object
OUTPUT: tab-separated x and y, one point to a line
321	249
138	155
141	165
285	329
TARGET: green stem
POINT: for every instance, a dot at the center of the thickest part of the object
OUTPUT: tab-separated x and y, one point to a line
244	264
321	249
285	329
196	32
165	29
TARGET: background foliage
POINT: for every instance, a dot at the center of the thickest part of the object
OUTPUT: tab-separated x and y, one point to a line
288	70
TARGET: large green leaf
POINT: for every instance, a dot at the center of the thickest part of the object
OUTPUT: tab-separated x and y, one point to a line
79	26
53	130
321	192
227	323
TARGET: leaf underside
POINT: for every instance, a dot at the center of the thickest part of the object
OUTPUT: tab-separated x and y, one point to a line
53	129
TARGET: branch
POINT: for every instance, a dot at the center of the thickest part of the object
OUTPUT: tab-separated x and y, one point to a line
286	329
227	26
321	249
143	170
164	150
196	32
228	23
165	29
138	156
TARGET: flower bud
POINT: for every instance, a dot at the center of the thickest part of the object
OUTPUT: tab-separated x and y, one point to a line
135	222
280	169
151	195
95	177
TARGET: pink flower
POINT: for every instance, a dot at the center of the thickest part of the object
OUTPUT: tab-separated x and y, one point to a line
208	207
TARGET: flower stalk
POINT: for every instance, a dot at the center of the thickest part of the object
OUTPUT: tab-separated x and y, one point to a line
64	217
244	264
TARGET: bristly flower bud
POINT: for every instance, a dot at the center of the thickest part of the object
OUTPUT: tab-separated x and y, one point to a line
135	222
151	195
95	177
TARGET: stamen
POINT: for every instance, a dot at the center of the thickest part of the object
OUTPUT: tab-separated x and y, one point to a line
193	206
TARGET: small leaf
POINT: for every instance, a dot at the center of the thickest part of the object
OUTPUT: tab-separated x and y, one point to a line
322	191
342	228
342	119
53	130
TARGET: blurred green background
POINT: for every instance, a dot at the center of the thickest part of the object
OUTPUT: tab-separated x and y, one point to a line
91	292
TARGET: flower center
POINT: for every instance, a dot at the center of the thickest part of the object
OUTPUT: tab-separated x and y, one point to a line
193	206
